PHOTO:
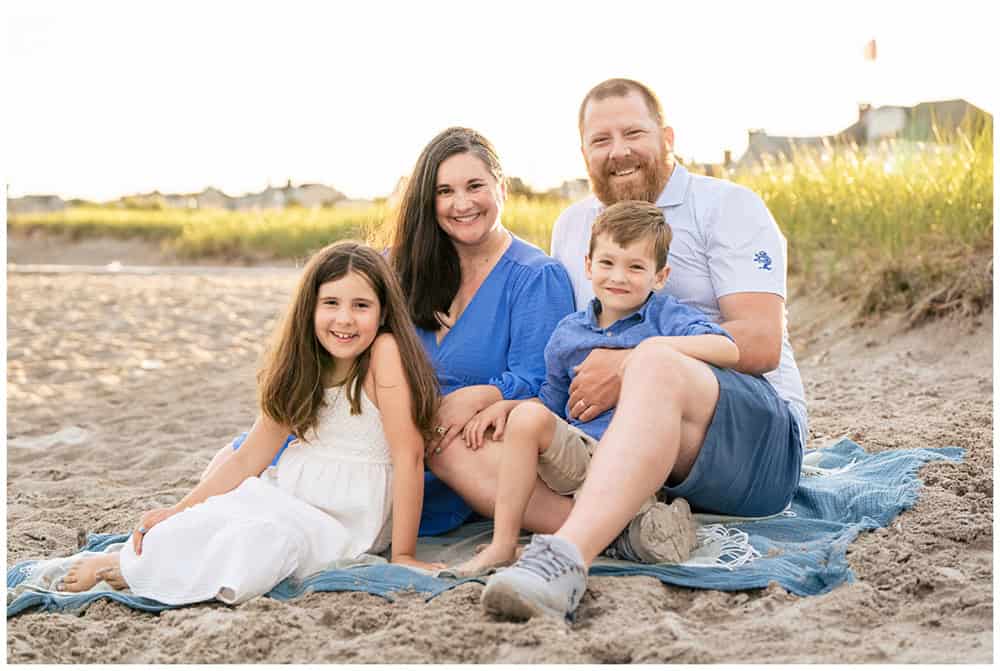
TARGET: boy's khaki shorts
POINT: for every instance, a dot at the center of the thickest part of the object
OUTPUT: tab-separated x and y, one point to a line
563	465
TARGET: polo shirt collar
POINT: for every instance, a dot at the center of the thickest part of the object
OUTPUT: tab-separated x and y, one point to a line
677	186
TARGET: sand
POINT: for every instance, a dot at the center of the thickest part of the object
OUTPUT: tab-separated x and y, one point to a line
147	375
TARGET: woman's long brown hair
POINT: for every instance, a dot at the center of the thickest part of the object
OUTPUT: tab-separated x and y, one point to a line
423	256
290	381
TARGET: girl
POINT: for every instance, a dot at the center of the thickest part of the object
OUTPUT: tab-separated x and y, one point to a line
349	377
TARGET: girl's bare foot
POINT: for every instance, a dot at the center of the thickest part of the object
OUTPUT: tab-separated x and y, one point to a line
89	571
489	559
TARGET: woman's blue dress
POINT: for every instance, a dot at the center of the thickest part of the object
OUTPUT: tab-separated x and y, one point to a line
500	340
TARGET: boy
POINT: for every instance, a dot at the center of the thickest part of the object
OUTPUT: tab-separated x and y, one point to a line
626	264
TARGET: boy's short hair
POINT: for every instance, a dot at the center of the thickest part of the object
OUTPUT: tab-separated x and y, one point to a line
631	220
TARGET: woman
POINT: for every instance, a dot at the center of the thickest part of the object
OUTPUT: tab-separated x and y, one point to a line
485	304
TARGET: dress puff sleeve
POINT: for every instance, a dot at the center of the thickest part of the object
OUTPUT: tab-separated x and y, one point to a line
538	303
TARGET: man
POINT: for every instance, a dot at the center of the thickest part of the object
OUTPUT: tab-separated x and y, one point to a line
727	442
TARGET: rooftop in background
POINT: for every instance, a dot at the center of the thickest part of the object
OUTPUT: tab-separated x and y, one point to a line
271	198
925	122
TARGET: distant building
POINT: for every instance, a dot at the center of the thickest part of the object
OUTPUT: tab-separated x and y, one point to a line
571	189
312	195
212	198
915	124
180	200
711	169
35	204
271	198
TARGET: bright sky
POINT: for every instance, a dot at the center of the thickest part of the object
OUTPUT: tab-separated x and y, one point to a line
107	98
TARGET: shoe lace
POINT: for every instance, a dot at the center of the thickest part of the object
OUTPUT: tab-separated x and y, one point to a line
621	548
541	559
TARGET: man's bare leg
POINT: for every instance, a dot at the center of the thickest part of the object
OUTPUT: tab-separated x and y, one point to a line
666	404
529	432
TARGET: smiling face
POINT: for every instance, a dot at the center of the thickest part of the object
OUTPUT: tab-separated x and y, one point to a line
628	155
623	277
347	319
468	199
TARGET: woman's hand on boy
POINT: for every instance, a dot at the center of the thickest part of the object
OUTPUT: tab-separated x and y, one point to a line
597	383
147	522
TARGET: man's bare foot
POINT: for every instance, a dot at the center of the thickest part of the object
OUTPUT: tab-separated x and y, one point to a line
89	571
489	559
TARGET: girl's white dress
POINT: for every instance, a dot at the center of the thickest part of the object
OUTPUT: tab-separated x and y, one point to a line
328	499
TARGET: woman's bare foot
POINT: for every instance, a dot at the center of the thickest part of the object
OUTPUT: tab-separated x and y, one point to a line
489	558
89	571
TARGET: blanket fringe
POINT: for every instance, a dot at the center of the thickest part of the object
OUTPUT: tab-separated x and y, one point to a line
811	467
733	546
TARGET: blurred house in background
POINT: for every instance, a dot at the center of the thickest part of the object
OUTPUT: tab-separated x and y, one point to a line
212	197
929	122
272	198
35	204
310	196
571	189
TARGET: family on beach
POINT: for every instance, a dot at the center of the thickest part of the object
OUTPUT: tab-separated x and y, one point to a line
595	397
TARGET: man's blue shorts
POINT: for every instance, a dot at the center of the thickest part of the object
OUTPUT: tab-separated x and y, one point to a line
750	462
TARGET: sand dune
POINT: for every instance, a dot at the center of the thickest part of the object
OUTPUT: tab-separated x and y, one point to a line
121	387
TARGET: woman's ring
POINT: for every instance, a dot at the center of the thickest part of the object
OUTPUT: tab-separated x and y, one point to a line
440	430
142	530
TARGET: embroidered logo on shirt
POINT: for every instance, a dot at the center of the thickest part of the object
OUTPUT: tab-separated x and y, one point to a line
762	260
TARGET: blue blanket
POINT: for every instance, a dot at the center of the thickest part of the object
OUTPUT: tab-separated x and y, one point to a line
803	550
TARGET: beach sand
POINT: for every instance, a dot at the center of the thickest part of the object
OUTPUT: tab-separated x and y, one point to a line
148	375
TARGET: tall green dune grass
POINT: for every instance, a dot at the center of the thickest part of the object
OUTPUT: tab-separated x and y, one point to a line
270	234
895	224
901	225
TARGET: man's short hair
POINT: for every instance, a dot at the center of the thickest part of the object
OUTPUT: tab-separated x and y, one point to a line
619	88
631	220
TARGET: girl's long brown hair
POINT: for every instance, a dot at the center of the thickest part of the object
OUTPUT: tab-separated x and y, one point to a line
290	381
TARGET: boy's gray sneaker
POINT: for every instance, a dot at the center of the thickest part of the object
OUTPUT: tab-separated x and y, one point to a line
549	579
659	534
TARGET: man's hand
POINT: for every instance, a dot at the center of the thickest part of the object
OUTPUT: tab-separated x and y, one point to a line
597	383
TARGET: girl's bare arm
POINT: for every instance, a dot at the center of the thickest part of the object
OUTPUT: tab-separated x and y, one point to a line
263	442
406	445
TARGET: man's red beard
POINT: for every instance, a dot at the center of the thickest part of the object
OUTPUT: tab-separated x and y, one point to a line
654	173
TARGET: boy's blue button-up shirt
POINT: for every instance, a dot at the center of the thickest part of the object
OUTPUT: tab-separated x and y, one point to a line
579	333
